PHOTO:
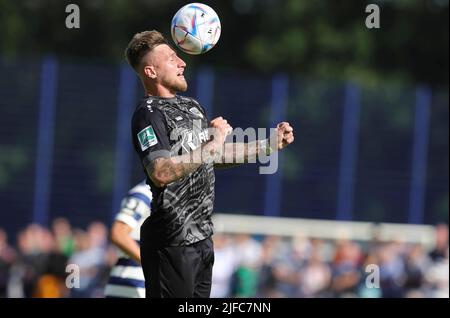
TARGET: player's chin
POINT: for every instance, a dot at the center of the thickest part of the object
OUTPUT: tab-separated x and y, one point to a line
181	85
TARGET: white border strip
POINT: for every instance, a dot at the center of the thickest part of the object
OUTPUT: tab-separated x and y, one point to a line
335	230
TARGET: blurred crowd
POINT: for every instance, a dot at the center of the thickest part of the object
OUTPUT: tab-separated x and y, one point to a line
245	266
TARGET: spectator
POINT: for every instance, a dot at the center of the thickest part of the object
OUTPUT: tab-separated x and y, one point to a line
225	263
346	269
315	277
63	236
441	247
7	258
248	251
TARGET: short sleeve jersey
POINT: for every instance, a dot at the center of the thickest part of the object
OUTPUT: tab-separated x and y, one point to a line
181	211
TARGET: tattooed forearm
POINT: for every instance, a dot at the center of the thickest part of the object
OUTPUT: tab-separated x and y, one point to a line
163	171
239	153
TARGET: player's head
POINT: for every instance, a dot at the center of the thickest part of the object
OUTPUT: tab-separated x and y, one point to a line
156	62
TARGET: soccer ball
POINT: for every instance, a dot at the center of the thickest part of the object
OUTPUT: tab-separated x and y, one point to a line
195	28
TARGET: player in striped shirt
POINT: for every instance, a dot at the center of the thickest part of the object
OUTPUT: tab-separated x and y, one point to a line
127	278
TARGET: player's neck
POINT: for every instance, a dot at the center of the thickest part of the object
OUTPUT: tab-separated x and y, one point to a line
159	91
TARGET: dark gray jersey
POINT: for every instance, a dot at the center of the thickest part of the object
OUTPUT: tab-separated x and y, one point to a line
181	211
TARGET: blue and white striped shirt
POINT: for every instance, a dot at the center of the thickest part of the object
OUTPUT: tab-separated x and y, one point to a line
126	277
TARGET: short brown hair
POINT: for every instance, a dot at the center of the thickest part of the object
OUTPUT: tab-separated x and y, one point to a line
141	44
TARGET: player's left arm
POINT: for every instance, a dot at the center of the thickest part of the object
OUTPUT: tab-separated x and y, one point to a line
235	154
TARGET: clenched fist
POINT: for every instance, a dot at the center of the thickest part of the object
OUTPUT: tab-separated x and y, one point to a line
284	135
220	128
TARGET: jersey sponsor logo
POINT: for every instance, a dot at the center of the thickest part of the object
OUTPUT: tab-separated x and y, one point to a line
203	136
191	140
147	138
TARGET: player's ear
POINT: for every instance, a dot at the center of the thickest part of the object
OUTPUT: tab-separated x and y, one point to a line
150	71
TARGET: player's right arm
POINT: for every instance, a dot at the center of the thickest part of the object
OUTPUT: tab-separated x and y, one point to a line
152	142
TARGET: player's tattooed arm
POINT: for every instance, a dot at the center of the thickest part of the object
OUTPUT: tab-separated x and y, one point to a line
163	171
235	154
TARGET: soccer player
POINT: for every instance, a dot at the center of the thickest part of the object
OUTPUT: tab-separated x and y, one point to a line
179	149
126	278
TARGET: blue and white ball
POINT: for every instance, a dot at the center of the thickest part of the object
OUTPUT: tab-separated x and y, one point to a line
195	28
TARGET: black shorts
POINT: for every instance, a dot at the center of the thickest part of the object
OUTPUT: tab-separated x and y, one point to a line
177	271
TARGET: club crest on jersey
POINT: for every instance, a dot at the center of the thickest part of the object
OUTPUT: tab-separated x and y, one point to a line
147	138
196	112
